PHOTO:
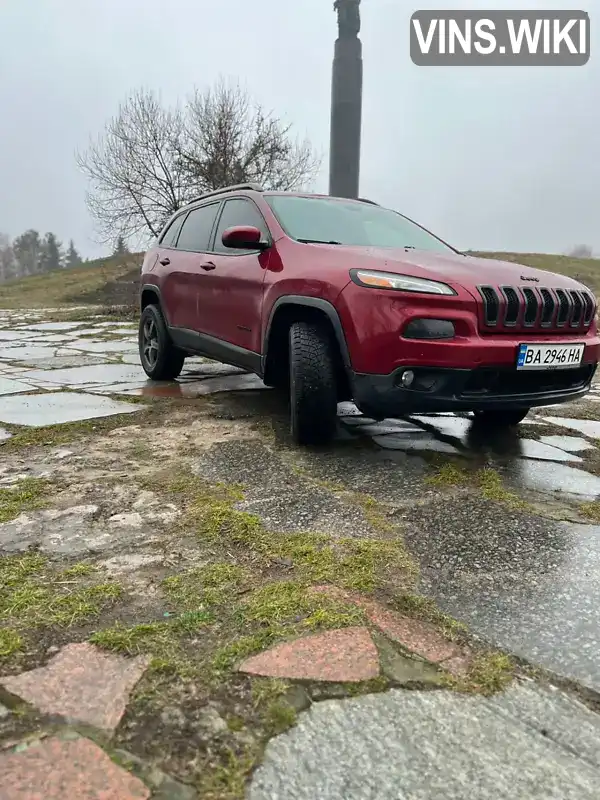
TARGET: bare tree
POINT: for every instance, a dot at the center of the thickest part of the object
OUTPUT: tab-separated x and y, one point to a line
581	251
230	139
151	160
135	171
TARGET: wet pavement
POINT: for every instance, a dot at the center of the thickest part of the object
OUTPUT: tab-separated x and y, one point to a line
525	578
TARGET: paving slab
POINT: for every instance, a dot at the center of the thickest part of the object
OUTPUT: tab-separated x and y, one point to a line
89	375
435	745
104	346
11	386
65	769
39	410
53	326
82	684
339	655
586	426
527	584
572	444
26	352
65	362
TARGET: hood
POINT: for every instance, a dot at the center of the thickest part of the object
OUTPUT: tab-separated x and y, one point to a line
468	271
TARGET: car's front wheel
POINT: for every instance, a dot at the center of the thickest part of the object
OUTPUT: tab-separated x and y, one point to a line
161	360
313	386
501	419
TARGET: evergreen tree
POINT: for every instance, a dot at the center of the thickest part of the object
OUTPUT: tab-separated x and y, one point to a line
120	247
27	249
51	256
73	259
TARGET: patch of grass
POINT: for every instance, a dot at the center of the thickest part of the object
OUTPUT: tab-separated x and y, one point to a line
490	673
34	595
228	780
492	488
487	480
585	270
78	571
591	510
10	642
205	586
316	558
55	288
26	495
63	434
279	717
448	474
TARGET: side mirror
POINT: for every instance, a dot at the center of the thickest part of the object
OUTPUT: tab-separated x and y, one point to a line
243	237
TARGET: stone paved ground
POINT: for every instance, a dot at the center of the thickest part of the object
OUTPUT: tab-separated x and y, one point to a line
179	584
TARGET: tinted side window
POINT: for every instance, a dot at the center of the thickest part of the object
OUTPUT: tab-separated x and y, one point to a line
170	236
195	234
238	212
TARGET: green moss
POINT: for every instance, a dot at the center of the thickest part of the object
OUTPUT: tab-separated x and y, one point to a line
26	495
227	781
33	595
10	642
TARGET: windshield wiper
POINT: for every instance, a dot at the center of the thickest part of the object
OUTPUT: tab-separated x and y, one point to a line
317	241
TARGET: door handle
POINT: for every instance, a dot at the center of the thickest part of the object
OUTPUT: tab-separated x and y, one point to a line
208	266
165	262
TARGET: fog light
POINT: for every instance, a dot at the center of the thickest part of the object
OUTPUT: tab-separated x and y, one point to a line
407	378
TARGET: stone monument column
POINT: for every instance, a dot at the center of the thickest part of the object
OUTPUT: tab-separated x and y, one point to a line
346	103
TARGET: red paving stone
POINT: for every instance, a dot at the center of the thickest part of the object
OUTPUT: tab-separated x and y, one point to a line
341	655
55	769
415	635
81	683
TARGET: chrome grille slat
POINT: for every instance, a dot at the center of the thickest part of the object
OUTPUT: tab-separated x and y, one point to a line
526	307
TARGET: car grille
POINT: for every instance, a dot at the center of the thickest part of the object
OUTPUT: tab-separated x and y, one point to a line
523	307
487	381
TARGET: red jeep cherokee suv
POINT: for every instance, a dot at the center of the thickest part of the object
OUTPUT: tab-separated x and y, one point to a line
343	299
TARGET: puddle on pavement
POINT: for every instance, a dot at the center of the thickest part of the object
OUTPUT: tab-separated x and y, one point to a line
59	407
191	389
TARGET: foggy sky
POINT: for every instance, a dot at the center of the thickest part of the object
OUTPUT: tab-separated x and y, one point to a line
488	158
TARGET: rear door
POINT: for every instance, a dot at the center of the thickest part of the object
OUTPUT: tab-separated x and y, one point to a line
231	300
183	283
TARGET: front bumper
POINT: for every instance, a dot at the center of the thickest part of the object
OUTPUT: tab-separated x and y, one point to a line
483	388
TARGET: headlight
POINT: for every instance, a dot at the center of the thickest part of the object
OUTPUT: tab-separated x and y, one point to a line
403	283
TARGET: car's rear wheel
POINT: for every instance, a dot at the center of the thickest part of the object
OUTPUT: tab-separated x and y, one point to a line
313	390
161	360
501	419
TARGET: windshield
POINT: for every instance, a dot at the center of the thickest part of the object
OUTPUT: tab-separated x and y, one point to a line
323	219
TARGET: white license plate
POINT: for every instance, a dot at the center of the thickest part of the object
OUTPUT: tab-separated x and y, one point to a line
550	356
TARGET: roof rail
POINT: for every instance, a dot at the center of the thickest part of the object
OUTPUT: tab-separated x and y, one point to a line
254	187
370	202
